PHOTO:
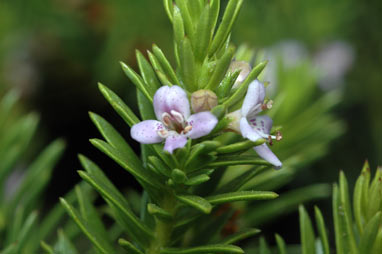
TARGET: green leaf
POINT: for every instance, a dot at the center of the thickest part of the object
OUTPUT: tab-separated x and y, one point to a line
241	196
147	73
199	179
165	64
203	32
217	248
47	248
225	26
375	195
241	235
238	160
95	177
188	24
240	146
100	243
178	176
322	230
264	249
160	166
196	202
241	91
137	81
64	246
214	14
226	85
168	6
119	106
221	69
178	26
187	64
137	171
129	247
280	244
357	202
370	234
159	212
307	234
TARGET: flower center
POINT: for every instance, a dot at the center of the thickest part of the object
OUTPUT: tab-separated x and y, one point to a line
174	121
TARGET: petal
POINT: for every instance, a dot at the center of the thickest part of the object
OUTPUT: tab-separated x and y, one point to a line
247	131
254	98
261	123
146	132
174	141
202	124
264	152
160	101
177	100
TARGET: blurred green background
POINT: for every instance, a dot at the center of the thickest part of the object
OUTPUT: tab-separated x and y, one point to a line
55	51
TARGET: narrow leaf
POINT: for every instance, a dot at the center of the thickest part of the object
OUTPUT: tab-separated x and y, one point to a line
188	24
221	69
129	247
241	196
197	180
197	202
217	248
147	73
187	63
369	236
322	230
165	64
241	235
280	244
240	146
307	234
203	31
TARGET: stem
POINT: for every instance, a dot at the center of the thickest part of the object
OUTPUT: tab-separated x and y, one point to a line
163	229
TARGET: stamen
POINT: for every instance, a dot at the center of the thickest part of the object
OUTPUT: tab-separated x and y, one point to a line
279	136
163	133
178	117
267	105
187	129
166	119
270	141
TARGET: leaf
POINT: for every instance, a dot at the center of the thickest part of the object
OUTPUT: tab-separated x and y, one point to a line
159	212
147	73
240	146
280	244
225	86
225	26
307	234
99	242
159	166
64	246
129	247
370	234
203	32
217	248
178	176
241	91
224	161
357	202
221	69
165	64
322	230
119	106
137	171
168	6
241	196
137	81
196	202
187	64
95	177
46	247
241	235
199	179
264	249
188	24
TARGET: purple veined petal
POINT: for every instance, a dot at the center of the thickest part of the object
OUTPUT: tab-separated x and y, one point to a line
253	99
247	131
160	101
146	132
261	123
174	141
177	100
202	124
264	152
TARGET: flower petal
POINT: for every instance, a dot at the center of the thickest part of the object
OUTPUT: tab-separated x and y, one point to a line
253	99
264	152
202	124
261	123
247	131
174	141
160	101
146	132
177	100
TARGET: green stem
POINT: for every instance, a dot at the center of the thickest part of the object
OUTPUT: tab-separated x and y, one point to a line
163	229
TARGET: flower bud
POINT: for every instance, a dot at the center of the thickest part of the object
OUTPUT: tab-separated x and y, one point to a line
244	68
203	100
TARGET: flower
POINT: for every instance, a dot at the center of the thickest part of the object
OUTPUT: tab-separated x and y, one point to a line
252	126
175	124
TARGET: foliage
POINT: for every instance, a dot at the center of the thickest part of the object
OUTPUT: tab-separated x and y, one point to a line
357	223
20	196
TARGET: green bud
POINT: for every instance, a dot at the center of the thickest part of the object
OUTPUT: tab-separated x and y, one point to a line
203	100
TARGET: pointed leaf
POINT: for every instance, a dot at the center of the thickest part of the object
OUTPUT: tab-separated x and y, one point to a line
322	230
217	248
119	106
240	146
64	246
280	244
129	247
221	69
147	73
203	32
238	160
197	202
187	64
165	64
197	180
371	230
241	196
307	234
188	24
241	235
